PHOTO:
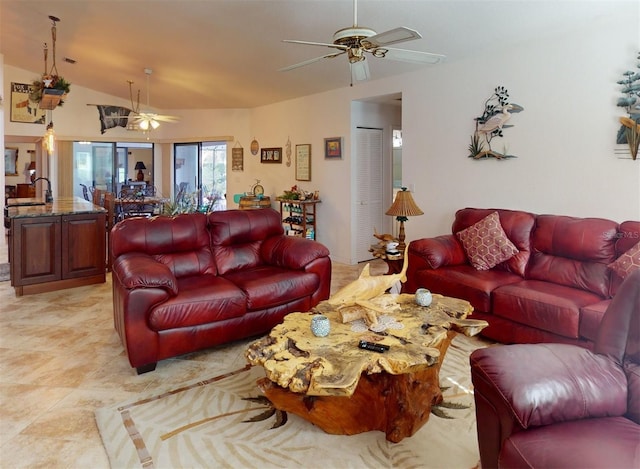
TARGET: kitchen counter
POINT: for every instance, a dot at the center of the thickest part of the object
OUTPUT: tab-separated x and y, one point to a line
56	245
36	207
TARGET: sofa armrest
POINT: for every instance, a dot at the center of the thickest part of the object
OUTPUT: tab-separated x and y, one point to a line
439	251
139	270
542	384
291	252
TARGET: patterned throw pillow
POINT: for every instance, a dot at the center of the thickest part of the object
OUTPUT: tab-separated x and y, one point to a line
486	243
627	263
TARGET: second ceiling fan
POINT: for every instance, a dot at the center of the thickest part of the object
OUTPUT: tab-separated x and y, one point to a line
357	41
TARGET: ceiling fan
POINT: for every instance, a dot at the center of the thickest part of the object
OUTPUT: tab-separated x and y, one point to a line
357	41
144	120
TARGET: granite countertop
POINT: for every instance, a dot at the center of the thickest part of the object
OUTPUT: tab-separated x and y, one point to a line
27	207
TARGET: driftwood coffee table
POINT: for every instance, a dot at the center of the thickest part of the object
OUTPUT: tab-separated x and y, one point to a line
344	389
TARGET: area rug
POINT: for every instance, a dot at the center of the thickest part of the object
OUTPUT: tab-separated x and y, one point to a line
224	422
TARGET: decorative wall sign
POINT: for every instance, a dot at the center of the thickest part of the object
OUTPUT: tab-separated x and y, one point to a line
271	155
24	109
237	159
288	151
303	162
333	147
497	111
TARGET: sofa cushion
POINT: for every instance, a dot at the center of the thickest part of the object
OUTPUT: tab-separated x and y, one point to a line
590	318
627	262
463	281
486	243
516	224
202	300
573	252
180	242
284	285
627	237
603	443
237	235
543	305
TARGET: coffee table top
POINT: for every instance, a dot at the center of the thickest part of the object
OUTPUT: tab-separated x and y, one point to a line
331	366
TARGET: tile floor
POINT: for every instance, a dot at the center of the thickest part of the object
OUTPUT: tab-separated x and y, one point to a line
60	359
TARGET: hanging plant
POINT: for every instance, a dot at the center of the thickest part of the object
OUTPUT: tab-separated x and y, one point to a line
56	83
50	79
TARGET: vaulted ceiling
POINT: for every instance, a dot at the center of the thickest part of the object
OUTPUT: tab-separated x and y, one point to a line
208	54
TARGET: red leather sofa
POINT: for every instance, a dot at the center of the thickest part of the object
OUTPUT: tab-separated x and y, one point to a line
555	289
192	281
563	406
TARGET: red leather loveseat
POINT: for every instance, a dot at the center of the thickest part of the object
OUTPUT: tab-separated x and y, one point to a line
192	281
555	288
562	406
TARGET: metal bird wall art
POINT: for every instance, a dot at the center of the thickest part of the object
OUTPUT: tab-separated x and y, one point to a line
497	111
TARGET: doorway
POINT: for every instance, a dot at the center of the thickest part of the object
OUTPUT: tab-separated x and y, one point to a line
369	193
376	127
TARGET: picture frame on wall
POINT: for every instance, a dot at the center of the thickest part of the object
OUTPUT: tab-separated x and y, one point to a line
23	109
271	155
10	161
333	148
303	162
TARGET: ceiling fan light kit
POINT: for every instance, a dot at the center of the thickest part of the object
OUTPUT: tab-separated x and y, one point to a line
357	41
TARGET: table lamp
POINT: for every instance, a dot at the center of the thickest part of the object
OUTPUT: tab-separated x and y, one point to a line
140	166
32	171
403	207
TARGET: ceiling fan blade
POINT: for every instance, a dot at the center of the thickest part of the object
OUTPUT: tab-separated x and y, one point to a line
413	56
310	43
310	61
359	71
167	118
393	36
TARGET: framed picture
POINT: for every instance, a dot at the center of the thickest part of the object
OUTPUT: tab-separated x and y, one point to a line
271	155
10	161
333	147
303	162
24	109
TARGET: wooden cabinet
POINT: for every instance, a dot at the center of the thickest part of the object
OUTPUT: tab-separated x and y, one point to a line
299	217
54	252
25	191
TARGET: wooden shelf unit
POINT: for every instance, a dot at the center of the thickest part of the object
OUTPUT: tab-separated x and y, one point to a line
299	217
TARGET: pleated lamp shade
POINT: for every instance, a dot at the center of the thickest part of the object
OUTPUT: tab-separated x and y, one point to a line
403	206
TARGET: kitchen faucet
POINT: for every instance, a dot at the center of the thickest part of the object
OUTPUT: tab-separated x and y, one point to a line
48	196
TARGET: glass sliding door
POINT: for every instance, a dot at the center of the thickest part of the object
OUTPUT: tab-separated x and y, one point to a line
201	171
109	165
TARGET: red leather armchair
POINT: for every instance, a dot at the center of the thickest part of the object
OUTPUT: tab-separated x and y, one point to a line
560	405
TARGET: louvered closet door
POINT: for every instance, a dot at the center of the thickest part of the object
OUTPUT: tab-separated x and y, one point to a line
369	210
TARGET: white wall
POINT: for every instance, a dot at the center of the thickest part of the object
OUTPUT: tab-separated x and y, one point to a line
564	138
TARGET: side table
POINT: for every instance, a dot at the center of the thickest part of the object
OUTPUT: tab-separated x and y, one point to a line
394	263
